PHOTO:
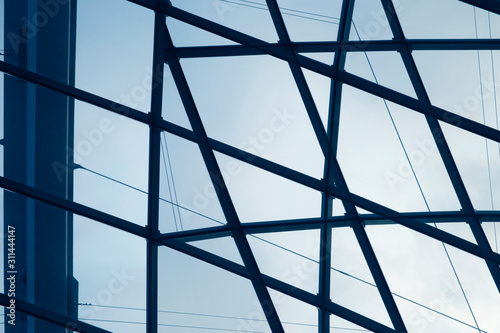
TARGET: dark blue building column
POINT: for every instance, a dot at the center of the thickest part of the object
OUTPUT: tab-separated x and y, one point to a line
40	37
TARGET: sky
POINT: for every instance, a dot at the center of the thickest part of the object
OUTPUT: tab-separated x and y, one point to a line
252	102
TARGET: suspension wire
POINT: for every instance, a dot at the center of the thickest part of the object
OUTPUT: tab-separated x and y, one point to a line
264	7
168	184
496	119
418	184
209	316
173	181
145	192
171	325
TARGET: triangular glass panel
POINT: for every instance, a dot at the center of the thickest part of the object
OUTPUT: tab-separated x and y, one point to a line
186	188
253	20
259	195
172	106
421	271
369	22
289	256
384	68
369	148
492	231
340	325
478	162
438	23
311	21
338	208
296	316
352	284
459	229
469	92
192	292
271	120
186	35
428	317
223	247
320	87
324	57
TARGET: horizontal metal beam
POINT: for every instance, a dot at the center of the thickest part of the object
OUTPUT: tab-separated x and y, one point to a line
329	47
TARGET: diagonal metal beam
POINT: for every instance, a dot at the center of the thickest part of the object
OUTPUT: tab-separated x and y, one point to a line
489	5
221	188
440	140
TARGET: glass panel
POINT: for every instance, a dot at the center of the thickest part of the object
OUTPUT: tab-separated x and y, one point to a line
425	159
289	256
370	21
196	295
352	284
184	34
469	92
172	107
110	267
223	247
188	198
325	57
369	149
492	230
271	120
320	87
112	162
253	19
478	161
438	23
276	197
428	278
339	325
114	51
384	68
311	21
296	316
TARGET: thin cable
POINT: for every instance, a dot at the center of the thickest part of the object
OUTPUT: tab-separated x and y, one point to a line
142	191
171	325
173	180
168	184
496	119
289	14
419	186
294	10
203	315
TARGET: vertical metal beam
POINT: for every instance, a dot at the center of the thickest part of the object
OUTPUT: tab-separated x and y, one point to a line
154	174
221	188
332	133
